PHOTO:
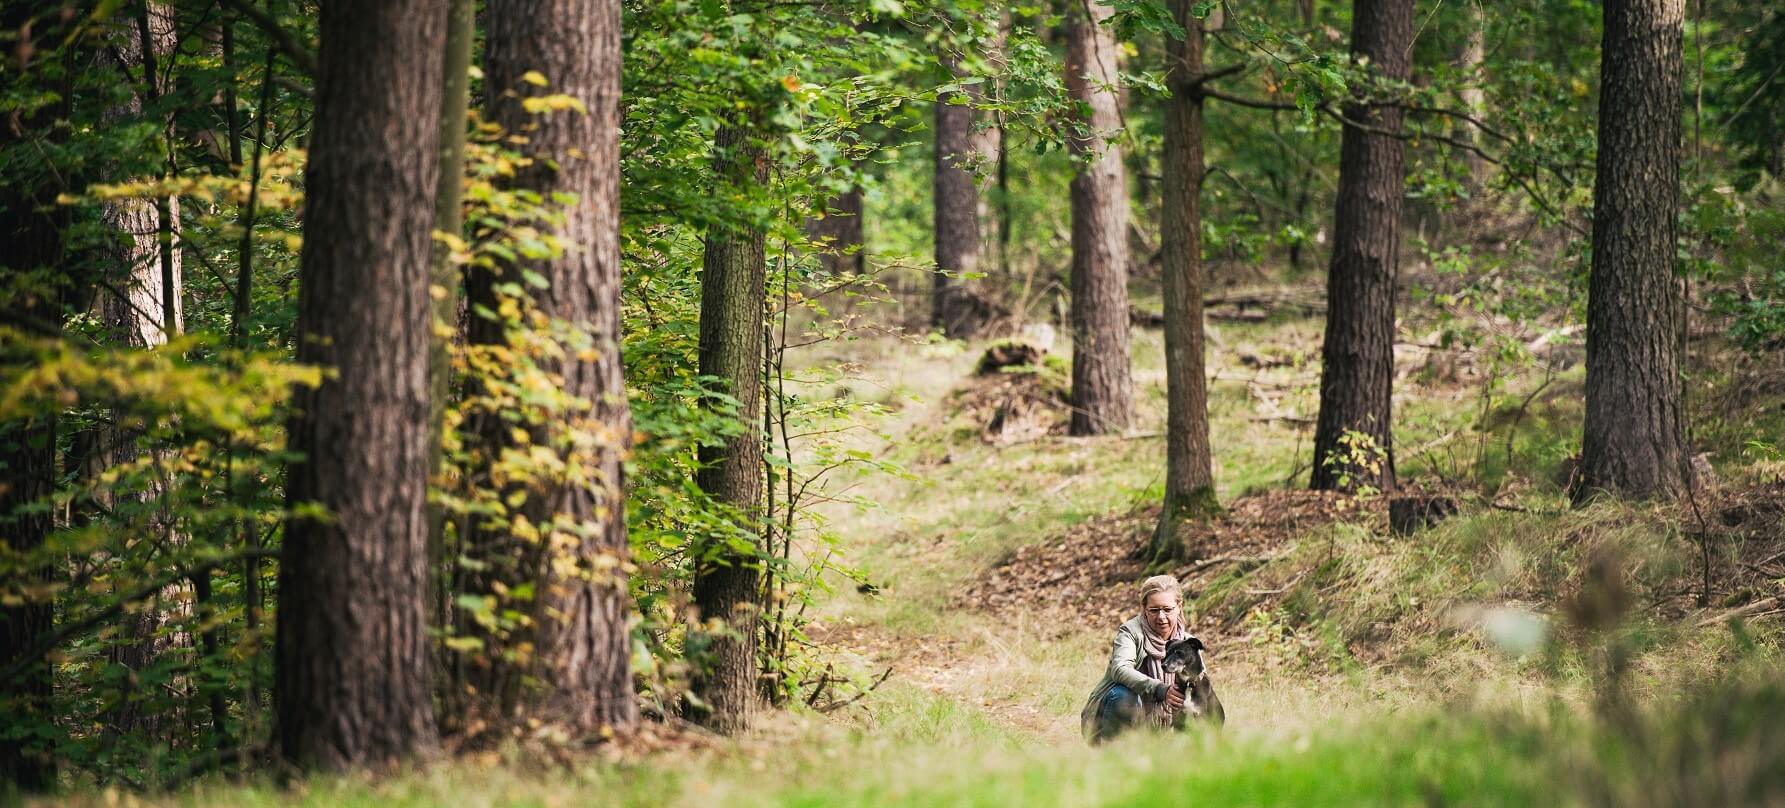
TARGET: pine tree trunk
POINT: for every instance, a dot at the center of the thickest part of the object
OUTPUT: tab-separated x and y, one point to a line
1357	357
352	648
132	307
731	349
31	228
1634	441
577	674
1189	468
956	207
1102	389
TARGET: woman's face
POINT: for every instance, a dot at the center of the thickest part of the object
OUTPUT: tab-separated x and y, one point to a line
1161	612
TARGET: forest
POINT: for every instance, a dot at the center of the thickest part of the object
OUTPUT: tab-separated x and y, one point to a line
688	402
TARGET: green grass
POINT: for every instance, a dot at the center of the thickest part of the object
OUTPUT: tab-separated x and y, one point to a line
1718	747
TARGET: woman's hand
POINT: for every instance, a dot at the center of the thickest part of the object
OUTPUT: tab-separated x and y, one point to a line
1174	699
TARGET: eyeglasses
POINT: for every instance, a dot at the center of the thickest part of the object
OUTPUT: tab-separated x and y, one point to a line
1160	611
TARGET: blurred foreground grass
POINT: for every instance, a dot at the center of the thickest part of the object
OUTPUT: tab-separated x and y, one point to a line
1721	744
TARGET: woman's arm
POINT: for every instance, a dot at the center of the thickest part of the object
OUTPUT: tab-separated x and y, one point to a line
1123	654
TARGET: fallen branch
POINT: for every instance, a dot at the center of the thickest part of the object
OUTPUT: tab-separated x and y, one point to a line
1203	565
1761	606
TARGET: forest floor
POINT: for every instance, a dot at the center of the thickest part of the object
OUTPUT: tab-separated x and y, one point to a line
1461	665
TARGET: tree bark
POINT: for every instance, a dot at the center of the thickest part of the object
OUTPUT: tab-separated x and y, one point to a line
1357	357
731	349
1189	467
132	310
31	228
577	673
27	478
445	291
956	208
353	675
1472	64
1634	441
1102	389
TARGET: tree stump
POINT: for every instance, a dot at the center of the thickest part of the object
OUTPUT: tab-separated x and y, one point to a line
1410	514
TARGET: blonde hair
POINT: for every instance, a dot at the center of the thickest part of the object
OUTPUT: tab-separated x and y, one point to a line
1161	583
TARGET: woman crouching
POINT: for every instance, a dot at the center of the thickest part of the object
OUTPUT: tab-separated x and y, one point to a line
1137	688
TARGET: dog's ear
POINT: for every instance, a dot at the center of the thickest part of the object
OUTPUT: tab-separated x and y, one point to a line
1197	644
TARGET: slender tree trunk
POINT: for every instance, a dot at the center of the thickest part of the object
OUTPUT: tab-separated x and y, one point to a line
445	280
247	531
577	675
1634	440
1189	468
1357	357
353	675
956	210
988	145
1102	389
1471	65
731	343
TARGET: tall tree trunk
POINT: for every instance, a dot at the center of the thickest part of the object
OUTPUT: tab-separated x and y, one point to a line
953	308
31	228
1102	389
731	347
132	310
1189	469
353	675
449	218
988	144
27	478
1357	357
1634	440
577	674
1471	64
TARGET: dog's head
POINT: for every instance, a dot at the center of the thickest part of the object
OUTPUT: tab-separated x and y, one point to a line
1184	657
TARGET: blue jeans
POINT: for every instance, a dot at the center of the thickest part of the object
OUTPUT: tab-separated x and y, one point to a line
1120	709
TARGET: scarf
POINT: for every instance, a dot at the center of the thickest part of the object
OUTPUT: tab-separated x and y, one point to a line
1152	664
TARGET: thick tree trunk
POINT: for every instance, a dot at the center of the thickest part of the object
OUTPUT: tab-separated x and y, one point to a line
354	673
953	308
133	308
31	228
1357	358
27	477
731	349
1102	389
1634	441
577	674
1189	468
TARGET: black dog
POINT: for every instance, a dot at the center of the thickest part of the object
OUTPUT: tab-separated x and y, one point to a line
1183	660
